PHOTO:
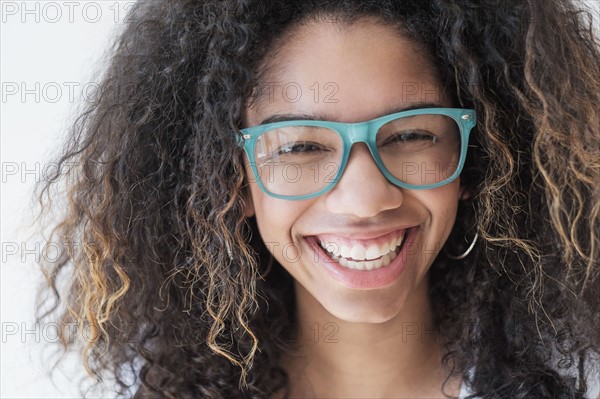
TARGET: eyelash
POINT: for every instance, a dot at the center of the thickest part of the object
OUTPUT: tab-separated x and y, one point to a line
420	136
290	148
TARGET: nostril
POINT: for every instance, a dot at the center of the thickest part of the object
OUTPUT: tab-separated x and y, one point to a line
363	192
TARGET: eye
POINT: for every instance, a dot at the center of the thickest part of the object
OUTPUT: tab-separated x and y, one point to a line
300	147
413	136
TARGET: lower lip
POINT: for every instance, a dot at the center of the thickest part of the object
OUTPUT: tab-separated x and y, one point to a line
366	279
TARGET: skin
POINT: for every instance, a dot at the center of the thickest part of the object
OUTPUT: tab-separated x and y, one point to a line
357	343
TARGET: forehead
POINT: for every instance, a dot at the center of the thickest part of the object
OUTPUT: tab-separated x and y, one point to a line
347	71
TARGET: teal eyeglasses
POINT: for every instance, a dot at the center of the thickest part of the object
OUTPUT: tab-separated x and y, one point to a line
415	149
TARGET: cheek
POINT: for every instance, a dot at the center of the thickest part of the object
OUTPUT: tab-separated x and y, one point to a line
442	204
445	204
275	218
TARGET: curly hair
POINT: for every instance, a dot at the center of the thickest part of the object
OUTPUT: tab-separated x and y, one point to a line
169	281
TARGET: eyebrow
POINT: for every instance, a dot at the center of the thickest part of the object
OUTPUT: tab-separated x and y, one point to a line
320	117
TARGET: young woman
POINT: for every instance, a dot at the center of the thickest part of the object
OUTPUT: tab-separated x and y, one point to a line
357	199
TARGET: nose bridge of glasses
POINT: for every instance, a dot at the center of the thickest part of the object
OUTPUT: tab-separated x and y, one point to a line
360	133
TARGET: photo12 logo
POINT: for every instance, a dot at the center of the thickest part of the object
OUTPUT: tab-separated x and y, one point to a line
47	92
53	12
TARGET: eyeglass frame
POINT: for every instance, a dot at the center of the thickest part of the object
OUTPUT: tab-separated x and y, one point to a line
362	132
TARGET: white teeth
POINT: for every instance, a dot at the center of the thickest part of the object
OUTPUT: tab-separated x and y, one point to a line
386	247
343	262
373	252
358	252
360	258
331	247
345	251
357	265
385	260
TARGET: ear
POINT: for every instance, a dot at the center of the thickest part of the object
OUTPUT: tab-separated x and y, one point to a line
248	203
464	193
246	191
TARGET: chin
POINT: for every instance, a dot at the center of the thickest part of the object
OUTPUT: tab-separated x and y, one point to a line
362	311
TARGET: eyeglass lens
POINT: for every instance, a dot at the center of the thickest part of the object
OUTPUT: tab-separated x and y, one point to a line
302	160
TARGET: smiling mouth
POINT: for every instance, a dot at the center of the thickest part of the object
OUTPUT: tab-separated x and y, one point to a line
364	255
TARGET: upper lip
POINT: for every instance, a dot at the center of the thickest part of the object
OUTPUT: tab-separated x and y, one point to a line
354	234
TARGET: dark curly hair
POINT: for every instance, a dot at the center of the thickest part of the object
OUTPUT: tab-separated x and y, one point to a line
170	283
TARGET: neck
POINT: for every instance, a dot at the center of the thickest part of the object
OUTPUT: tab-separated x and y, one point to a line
397	358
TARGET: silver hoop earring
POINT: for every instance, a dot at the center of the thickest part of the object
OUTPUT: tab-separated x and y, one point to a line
464	254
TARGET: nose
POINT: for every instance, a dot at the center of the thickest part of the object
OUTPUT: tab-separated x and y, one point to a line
363	190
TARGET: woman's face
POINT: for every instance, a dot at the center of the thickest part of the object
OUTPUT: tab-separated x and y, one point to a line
352	74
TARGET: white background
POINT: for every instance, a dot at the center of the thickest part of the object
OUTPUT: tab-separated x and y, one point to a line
49	52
